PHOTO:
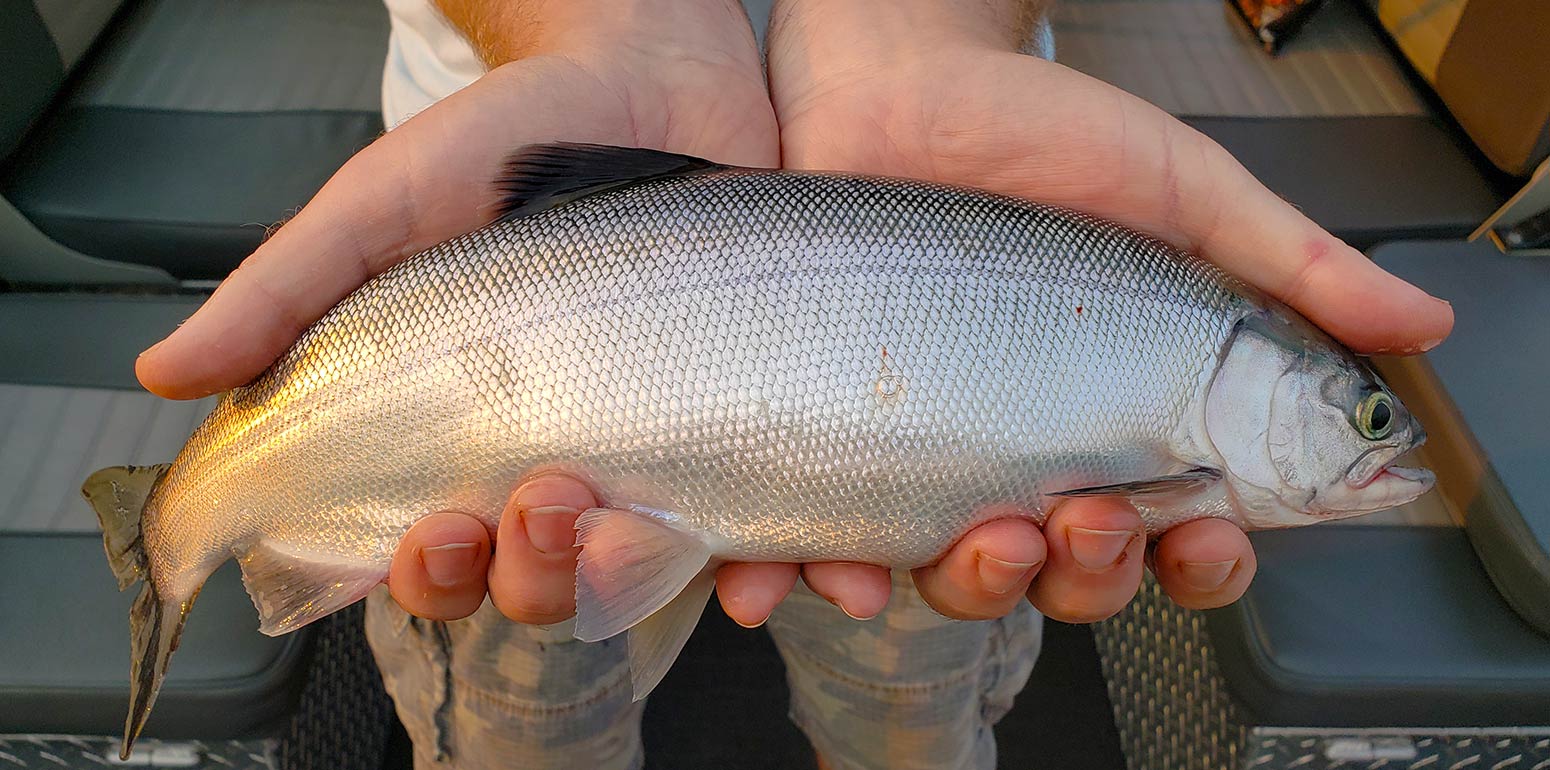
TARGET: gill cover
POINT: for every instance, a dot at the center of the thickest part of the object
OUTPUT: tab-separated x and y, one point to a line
1286	413
1238	409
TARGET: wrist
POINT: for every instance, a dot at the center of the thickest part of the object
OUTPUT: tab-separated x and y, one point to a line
705	31
882	28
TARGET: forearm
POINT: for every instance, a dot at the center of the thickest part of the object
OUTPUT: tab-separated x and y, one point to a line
502	31
898	24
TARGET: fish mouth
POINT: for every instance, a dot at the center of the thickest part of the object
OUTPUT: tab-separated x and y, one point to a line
1379	461
1374	482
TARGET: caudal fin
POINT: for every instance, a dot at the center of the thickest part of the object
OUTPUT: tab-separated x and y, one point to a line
118	496
154	627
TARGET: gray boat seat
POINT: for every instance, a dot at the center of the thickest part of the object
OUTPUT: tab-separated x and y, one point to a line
191	127
1417	637
1335	123
1422	627
1490	382
69	404
1379	627
65	671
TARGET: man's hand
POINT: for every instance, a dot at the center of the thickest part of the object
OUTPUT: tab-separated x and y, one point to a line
677	75
683	75
934	89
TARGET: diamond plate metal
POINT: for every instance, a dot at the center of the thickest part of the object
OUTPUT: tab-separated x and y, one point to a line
1173	712
1170	702
1493	749
51	752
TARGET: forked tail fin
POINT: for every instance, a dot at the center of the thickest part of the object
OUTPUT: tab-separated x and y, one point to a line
118	495
154	627
155	622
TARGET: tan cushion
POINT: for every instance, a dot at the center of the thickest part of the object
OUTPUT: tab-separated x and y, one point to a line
1495	78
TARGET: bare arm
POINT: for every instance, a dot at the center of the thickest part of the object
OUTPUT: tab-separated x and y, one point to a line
503	31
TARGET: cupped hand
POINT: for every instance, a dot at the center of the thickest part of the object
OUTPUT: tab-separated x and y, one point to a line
935	89
976	121
678	75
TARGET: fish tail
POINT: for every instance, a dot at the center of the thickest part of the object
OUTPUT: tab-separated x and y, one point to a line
154	627
118	495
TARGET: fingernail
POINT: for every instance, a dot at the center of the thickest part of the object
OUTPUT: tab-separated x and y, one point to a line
1429	344
1207	575
848	613
447	565
150	350
1098	549
999	576
550	528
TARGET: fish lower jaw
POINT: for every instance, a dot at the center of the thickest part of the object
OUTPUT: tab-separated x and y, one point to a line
1390	487
1401	472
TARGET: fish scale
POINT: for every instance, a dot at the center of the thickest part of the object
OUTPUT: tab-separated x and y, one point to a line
744	364
615	338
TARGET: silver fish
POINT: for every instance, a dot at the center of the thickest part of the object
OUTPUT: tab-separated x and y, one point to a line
748	365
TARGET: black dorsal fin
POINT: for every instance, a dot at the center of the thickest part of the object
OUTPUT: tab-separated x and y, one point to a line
541	176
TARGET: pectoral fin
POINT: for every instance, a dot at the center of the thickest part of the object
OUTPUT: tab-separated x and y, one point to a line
292	588
640	572
1189	482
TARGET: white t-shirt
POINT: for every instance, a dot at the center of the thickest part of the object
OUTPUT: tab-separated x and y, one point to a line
428	59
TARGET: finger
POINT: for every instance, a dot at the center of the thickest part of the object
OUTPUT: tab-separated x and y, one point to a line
1204	564
438	572
986	574
428	180
860	590
533	574
749	592
1061	137
1096	550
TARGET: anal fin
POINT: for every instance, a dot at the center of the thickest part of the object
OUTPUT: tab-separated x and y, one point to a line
292	588
656	641
632	564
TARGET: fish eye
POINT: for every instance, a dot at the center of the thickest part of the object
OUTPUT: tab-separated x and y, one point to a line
1375	415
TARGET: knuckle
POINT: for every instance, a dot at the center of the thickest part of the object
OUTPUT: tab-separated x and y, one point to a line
533	610
958	606
1067	610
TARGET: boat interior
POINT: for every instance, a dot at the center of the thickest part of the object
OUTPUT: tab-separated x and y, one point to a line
148	146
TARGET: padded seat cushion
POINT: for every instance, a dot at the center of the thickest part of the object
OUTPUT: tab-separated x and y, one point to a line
198	125
68	405
64	651
1366	179
1378	627
1493	369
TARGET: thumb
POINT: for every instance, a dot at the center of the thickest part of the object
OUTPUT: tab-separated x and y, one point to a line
427	181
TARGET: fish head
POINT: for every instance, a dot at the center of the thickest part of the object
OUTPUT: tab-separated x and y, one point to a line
1307	432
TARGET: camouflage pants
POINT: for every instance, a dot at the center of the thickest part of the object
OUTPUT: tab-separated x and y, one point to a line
907	689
